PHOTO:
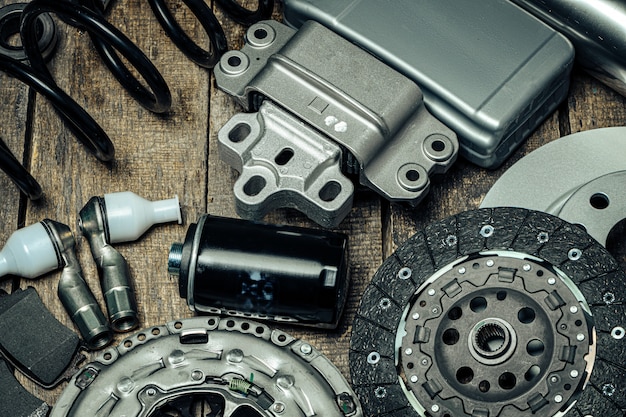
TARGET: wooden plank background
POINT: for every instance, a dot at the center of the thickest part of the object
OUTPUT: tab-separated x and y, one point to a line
158	156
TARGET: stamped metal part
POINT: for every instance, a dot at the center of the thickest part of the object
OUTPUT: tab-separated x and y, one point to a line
210	367
373	113
579	178
284	163
493	312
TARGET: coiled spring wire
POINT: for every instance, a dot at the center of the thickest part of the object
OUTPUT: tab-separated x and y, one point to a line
108	41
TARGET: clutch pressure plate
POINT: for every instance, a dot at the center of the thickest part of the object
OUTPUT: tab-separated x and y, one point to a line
208	367
494	312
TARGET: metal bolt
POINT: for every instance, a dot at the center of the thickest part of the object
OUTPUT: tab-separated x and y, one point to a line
435	408
151	392
435	310
490	263
408	351
486	231
416	316
608	298
414	379
608	390
462	270
373	358
424	361
197	375
573	309
574	254
404	273
278	407
306	349
551	280
527	267
618	333
573	373
431	292
554	379
580	337
558	398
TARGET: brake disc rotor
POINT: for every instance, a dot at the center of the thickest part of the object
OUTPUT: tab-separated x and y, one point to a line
211	368
588	190
493	312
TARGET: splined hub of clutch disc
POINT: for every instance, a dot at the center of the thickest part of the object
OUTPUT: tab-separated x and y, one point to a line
209	367
494	312
497	331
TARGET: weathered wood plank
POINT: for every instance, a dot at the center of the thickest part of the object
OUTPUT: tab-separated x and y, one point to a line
157	156
14	99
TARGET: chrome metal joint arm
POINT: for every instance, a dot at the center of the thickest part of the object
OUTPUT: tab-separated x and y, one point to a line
114	272
73	291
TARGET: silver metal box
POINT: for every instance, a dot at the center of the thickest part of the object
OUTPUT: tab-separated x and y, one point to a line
488	70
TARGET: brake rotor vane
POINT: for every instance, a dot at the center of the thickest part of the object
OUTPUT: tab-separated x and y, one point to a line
209	367
494	312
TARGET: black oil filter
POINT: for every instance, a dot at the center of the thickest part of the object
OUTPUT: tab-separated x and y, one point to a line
281	273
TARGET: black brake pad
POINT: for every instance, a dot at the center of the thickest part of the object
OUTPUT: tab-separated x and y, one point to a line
33	340
15	401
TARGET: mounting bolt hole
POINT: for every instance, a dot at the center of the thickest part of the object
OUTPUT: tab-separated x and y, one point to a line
284	156
254	186
501	295
412	175
526	315
464	375
478	304
330	191
484	386
507	381
599	201
438	145
535	347
239	133
234	61
532	373
455	313
260	33
450	337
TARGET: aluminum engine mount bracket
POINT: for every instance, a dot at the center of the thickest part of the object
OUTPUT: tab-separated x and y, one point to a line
331	104
493	312
579	178
215	367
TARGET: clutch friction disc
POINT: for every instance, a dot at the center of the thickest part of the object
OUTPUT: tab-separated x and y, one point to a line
493	312
209	367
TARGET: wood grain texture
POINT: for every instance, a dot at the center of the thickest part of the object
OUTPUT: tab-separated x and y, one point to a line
14	131
158	156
